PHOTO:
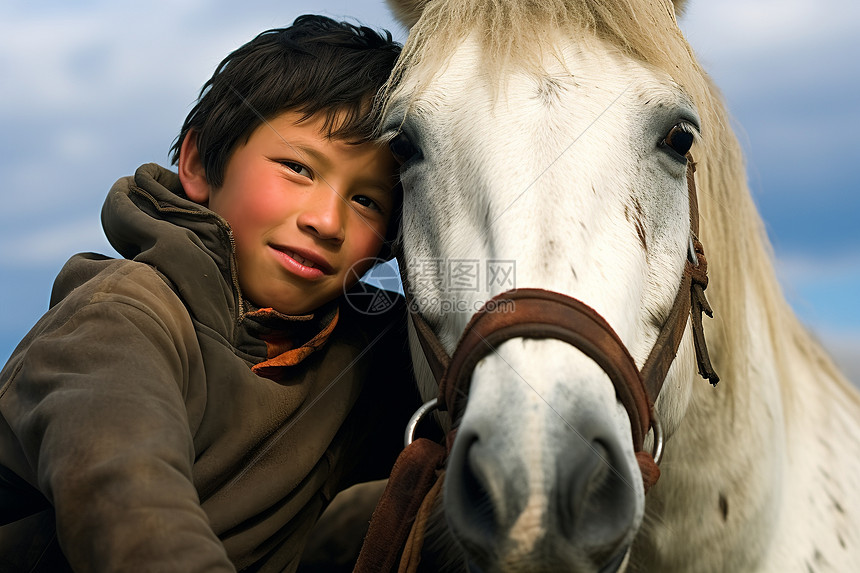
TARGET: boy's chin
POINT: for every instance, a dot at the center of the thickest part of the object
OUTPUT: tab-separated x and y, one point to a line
292	309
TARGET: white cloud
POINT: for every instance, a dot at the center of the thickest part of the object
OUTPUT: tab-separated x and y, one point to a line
843	345
110	54
822	291
758	49
78	144
744	28
51	245
101	56
799	269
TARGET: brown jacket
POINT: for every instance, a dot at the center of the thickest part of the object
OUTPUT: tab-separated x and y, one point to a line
134	434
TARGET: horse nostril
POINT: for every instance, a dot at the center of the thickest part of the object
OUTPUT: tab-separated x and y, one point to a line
598	502
585	480
475	488
470	506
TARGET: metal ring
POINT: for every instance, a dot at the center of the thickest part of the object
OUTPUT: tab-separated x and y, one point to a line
425	409
657	449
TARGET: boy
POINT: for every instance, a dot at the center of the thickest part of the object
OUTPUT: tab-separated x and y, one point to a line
196	406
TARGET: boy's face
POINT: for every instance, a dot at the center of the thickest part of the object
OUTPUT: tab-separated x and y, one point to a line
306	211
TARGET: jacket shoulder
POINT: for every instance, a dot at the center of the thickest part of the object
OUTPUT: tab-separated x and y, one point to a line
123	286
88	278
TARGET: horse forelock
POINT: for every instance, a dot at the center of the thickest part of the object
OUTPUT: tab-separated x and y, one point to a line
517	33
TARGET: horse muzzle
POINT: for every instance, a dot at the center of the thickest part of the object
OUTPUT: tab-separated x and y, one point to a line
553	488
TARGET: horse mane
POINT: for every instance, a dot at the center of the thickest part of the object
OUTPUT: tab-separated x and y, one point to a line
520	34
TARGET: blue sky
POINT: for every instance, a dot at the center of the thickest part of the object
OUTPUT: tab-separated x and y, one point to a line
90	90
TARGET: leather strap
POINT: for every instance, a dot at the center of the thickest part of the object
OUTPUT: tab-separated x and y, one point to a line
412	477
437	357
411	556
689	302
546	314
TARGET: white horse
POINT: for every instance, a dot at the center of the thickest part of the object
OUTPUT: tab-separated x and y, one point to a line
541	143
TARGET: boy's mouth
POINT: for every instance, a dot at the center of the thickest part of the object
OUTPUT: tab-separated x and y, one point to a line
301	260
306	259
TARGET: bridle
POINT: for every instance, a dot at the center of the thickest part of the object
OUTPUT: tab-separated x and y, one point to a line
541	314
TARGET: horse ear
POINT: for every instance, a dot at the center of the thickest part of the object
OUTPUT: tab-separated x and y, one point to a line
407	12
680	6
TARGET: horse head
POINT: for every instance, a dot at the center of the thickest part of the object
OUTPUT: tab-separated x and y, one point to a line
546	145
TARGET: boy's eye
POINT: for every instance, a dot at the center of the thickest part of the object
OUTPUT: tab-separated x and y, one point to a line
298	168
366	201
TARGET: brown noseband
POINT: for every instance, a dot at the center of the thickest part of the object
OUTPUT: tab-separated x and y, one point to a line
545	314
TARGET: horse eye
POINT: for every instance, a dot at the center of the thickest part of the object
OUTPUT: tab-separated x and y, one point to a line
679	139
402	148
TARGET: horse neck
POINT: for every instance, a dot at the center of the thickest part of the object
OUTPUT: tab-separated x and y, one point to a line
820	501
750	479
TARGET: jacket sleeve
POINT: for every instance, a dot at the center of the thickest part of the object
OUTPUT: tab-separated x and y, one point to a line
97	403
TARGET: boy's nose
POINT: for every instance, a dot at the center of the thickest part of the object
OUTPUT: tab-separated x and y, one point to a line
323	215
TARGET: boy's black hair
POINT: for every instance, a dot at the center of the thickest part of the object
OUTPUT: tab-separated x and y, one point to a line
316	65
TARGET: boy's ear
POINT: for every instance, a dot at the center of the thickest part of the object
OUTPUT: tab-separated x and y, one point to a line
191	171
